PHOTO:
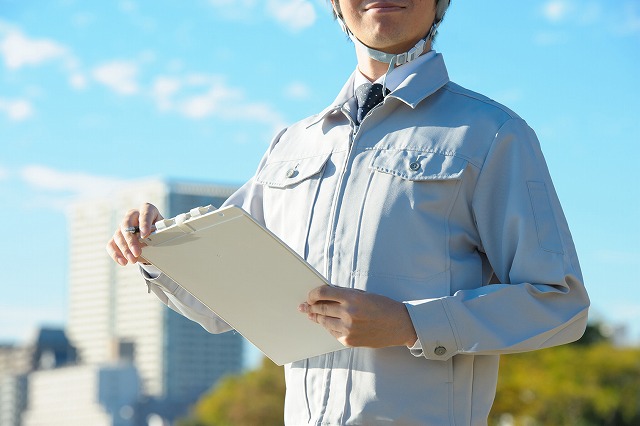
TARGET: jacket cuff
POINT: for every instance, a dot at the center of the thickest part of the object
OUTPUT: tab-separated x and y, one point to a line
433	326
155	278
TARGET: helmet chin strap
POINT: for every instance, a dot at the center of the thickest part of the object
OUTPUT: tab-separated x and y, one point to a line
393	59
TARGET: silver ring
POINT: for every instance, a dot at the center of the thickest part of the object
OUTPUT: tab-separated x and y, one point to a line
132	229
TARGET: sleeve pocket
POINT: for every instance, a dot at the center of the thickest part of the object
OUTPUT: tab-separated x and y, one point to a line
548	236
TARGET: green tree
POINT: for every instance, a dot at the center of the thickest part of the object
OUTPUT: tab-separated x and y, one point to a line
575	384
250	399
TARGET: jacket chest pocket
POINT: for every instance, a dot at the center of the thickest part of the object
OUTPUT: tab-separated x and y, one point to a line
290	188
408	206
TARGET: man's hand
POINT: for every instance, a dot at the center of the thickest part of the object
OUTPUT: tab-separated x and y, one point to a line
125	247
357	318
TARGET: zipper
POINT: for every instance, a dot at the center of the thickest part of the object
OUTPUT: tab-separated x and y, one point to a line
333	218
329	244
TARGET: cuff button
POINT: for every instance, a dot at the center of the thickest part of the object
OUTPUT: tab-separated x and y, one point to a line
440	350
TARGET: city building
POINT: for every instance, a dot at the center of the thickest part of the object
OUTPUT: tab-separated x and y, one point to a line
47	349
84	395
123	335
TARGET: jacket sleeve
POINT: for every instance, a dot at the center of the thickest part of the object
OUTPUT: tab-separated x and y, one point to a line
249	198
536	298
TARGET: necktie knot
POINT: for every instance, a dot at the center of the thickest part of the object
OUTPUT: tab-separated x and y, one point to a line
368	96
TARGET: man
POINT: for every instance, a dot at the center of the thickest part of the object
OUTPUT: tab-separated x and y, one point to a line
434	216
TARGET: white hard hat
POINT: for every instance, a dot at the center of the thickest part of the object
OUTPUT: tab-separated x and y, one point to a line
441	8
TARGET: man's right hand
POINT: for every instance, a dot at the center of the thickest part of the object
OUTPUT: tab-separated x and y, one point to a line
125	247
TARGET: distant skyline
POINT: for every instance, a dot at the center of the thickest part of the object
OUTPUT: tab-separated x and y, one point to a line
95	94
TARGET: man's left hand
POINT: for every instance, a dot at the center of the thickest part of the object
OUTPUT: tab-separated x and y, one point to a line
358	318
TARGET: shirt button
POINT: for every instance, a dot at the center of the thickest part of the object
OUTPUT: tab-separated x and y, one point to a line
440	350
291	173
414	166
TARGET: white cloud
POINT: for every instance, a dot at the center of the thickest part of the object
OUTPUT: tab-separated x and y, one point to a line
162	91
83	19
565	15
259	112
128	6
78	80
630	23
18	51
77	183
591	12
16	109
293	14
556	10
297	90
215	101
119	76
200	96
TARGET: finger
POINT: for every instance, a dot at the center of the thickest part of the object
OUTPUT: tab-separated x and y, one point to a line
148	216
115	253
333	325
315	311
328	309
126	245
326	293
128	242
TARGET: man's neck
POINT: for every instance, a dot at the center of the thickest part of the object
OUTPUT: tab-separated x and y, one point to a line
373	69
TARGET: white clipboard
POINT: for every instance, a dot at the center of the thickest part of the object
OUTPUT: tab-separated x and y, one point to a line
246	275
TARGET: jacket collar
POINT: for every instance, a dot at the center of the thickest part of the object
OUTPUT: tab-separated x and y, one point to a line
417	86
423	82
343	97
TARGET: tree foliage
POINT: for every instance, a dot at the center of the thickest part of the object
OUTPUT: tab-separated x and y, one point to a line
591	382
250	399
575	384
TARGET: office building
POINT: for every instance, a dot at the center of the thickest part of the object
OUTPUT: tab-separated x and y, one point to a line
48	348
83	395
113	319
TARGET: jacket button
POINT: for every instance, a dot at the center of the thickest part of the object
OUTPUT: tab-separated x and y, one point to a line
440	350
291	173
415	166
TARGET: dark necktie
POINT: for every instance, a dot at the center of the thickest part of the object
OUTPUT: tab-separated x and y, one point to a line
368	96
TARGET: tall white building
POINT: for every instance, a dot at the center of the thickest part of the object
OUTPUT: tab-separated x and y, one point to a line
112	318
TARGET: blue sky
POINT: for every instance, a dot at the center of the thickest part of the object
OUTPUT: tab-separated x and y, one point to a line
93	94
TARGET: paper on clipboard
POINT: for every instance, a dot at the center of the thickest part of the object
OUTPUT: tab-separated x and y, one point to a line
246	275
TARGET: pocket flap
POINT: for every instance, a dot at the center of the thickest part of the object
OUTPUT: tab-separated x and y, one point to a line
418	165
286	173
